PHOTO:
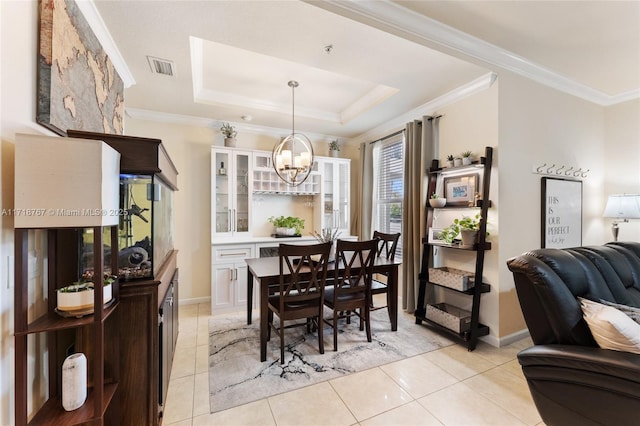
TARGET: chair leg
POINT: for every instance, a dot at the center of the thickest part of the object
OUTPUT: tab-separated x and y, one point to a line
270	321
281	341
335	330
368	321
320	333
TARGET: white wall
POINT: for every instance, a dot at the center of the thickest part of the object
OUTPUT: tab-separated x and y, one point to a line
18	47
539	125
622	157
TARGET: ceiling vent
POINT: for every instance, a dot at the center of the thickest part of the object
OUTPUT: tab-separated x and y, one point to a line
161	66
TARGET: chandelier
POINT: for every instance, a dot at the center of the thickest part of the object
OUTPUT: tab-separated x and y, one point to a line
293	156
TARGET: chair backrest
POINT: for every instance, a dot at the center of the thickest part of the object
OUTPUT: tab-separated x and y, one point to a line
387	244
354	266
303	271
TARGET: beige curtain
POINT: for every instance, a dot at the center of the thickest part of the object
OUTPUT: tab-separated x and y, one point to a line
421	141
361	223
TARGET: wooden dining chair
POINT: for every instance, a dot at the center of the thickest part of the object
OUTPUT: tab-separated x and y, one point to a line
300	294
387	245
351	290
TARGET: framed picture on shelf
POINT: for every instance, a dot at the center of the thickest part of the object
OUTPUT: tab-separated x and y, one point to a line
434	236
461	190
561	213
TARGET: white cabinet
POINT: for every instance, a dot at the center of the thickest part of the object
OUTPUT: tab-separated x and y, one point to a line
229	277
332	207
231	181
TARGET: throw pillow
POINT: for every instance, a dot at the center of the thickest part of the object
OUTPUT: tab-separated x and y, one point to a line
634	313
611	328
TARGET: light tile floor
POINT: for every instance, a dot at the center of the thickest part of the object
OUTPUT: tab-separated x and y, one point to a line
449	386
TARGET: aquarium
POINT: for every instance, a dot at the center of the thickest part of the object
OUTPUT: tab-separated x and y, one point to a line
148	179
145	229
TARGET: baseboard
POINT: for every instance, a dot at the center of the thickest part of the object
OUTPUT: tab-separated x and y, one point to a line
506	340
194	301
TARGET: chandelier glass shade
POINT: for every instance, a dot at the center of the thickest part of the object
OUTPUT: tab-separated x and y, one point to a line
292	158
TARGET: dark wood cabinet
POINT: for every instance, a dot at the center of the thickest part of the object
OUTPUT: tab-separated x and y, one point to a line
149	305
141	357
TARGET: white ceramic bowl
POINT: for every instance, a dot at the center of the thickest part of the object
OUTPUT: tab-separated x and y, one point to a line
437	202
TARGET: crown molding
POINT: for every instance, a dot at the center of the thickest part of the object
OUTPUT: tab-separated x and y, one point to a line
430	108
91	14
210	123
402	21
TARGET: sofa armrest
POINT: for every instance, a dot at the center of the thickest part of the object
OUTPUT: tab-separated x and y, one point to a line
622	365
578	385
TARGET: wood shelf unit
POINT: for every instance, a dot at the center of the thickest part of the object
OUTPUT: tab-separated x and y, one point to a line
476	329
91	331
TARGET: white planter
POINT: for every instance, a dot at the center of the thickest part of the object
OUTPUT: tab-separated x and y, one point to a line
437	202
230	142
80	300
334	153
286	231
466	161
457	162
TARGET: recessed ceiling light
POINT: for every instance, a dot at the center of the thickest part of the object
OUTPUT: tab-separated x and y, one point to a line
328	48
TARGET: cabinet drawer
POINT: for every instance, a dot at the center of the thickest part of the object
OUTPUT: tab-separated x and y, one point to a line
229	253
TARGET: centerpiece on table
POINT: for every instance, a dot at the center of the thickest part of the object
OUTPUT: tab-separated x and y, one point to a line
289	226
328	235
76	300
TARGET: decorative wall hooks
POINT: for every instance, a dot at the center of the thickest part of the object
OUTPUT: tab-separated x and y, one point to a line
560	170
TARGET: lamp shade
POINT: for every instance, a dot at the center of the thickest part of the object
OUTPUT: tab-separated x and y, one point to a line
623	206
65	182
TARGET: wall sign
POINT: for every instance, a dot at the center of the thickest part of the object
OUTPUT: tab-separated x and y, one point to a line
561	213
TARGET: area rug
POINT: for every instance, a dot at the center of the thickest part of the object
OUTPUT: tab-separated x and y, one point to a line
236	375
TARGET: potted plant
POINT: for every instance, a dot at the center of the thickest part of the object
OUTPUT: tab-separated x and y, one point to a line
289	226
450	160
457	161
77	298
334	148
229	133
467	228
437	201
466	158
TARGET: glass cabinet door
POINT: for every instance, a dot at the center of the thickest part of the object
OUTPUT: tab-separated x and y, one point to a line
240	211
221	198
342	197
328	185
231	187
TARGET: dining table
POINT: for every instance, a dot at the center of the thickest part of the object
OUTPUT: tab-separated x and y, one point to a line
266	272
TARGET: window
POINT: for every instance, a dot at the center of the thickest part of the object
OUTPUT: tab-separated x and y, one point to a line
388	181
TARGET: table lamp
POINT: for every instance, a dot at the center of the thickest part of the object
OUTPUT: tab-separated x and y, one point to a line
624	207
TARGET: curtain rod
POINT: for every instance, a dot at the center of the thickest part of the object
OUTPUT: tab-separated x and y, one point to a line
388	136
402	131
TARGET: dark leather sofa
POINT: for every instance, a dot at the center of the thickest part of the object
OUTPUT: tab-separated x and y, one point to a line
573	381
